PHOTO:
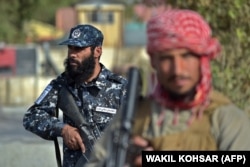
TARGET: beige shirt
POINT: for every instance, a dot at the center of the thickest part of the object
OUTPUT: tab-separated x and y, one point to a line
229	128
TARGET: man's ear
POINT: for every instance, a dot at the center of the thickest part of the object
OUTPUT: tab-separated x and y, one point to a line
98	51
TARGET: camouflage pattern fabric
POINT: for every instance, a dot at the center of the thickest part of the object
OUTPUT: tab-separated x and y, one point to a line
84	36
98	102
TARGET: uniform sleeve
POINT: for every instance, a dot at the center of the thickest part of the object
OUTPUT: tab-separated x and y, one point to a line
40	117
230	126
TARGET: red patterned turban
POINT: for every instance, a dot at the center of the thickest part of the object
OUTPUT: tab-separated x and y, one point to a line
183	29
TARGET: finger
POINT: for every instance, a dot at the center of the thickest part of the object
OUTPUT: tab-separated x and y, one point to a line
71	143
74	147
138	161
140	141
80	144
149	149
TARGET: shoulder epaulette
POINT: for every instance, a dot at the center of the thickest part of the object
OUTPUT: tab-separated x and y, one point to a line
117	79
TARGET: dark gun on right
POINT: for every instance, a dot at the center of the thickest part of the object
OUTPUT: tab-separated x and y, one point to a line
118	147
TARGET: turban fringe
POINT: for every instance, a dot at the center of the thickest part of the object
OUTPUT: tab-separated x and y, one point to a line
183	29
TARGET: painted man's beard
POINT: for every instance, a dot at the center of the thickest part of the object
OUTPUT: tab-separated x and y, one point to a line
83	71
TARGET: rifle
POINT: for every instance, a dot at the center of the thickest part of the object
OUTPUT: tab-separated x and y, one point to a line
69	108
117	148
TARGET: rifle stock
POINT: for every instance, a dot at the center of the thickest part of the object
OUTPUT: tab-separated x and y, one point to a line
68	106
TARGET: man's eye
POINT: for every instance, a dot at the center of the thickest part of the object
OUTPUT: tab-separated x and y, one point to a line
165	58
189	55
78	48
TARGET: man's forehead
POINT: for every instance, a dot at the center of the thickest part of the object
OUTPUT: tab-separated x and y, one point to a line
174	51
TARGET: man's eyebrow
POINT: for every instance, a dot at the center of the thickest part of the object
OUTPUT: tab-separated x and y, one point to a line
76	47
191	53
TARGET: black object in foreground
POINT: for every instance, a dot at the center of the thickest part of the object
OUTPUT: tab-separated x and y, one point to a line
118	146
69	108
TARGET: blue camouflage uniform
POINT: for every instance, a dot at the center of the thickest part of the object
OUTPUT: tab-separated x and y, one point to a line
107	91
98	100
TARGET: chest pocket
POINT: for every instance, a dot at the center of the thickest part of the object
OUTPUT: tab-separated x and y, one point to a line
102	113
197	137
102	116
99	105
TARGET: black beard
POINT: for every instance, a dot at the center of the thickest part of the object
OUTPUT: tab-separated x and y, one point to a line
182	97
82	72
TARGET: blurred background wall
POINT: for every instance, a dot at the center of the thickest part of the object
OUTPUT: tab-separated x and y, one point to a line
30	56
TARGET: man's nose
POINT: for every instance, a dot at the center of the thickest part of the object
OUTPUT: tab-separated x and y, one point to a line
178	65
72	55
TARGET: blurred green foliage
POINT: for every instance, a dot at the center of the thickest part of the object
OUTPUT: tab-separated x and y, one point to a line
230	23
14	13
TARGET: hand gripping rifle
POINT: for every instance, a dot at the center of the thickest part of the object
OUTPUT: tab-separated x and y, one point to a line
69	108
118	146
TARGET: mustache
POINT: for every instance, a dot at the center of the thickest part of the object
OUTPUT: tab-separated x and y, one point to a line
174	77
70	60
